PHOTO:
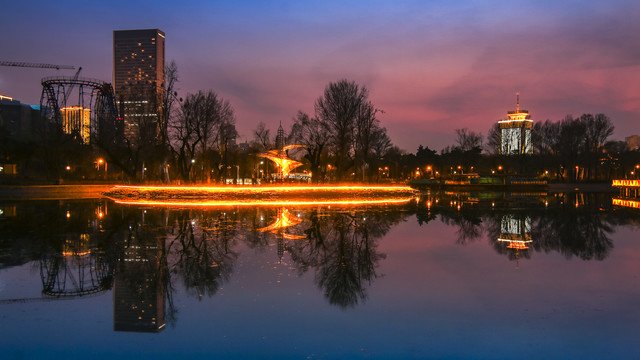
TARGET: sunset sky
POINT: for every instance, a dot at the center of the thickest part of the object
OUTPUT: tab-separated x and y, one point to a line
432	66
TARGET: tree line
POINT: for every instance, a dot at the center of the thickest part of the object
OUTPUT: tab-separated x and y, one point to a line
569	150
344	140
194	140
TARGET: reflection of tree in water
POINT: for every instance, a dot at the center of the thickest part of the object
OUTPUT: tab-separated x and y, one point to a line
469	224
580	230
203	243
342	248
573	224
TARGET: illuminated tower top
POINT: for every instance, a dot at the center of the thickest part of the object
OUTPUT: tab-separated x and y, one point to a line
515	131
518	115
280	138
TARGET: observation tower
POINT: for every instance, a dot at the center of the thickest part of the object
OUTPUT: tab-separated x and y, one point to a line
515	131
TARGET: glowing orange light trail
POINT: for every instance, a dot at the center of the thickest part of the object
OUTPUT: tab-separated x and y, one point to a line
262	188
263	202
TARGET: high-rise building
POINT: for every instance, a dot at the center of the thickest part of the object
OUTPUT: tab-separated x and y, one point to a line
77	119
138	79
139	295
515	132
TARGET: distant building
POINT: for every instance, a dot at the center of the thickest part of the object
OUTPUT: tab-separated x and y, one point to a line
280	139
20	121
633	142
515	132
77	119
138	78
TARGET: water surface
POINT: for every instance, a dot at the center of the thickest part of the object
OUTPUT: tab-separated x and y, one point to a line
444	276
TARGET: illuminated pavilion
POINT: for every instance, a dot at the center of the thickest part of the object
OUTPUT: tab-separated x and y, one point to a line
279	156
515	132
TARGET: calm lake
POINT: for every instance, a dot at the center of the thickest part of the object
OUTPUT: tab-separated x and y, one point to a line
442	276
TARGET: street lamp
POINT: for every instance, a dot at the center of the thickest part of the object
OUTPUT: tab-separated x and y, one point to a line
99	162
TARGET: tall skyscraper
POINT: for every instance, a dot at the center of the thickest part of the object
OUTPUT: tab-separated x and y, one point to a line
138	292
138	78
515	132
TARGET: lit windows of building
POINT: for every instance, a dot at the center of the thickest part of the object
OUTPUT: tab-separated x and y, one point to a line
138	79
77	119
515	132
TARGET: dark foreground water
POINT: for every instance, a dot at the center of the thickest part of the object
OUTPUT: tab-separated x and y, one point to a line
446	276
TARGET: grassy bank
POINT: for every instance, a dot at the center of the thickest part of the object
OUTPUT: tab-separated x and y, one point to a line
52	192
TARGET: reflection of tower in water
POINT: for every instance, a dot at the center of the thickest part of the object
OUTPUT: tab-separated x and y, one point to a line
284	219
139	295
515	234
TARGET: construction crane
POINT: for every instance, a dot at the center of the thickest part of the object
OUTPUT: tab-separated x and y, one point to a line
47	66
70	89
36	65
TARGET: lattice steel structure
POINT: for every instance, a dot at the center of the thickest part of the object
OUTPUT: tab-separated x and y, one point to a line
76	273
96	96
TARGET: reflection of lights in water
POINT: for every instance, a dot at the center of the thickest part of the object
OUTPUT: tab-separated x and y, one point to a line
626	203
516	244
284	220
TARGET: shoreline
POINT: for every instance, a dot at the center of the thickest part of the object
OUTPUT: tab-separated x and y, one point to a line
93	191
53	192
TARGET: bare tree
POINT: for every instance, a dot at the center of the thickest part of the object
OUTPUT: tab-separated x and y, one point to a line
205	120
339	108
494	140
367	126
467	140
262	136
315	135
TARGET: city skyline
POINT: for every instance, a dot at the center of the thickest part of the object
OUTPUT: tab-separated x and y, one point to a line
432	68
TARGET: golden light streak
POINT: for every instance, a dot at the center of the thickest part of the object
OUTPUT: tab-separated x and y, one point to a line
259	195
263	202
263	188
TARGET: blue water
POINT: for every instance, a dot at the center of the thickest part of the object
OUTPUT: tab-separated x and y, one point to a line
355	282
